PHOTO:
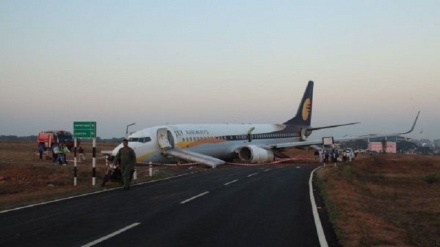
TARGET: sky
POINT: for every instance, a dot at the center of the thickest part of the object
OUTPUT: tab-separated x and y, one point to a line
168	62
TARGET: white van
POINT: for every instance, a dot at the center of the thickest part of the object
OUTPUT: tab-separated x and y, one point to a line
348	154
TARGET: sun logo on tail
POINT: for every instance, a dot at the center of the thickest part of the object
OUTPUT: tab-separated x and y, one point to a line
307	106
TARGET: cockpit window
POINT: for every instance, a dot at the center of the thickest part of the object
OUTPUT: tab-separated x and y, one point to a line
139	139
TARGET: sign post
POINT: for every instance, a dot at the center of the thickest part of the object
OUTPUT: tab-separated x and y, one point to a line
86	130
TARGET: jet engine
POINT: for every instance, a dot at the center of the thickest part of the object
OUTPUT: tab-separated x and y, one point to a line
254	154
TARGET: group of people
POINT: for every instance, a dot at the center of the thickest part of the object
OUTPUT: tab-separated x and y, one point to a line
59	152
123	164
324	156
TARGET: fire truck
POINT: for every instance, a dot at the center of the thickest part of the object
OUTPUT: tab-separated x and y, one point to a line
53	137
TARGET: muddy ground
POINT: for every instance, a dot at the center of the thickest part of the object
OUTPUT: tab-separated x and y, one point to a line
25	179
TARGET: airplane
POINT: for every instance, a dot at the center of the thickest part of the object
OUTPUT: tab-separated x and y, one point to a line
214	144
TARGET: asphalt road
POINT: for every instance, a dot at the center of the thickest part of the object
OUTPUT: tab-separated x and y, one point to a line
232	206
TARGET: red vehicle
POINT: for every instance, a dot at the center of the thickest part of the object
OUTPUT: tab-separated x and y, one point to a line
52	137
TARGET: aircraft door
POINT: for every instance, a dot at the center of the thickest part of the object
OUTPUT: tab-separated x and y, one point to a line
165	139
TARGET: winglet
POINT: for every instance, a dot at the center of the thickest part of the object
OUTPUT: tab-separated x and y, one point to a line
394	134
413	126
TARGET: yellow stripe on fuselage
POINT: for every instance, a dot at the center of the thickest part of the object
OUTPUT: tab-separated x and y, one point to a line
189	144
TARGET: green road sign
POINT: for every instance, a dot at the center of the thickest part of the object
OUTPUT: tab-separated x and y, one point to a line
84	129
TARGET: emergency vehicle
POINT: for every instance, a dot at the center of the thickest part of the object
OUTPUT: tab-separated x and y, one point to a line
53	137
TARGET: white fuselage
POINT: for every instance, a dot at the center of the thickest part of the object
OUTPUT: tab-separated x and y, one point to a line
217	140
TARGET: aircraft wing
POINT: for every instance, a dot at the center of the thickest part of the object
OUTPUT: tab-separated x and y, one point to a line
195	157
391	134
297	144
331	126
336	140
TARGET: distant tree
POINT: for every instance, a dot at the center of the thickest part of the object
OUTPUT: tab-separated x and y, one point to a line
9	138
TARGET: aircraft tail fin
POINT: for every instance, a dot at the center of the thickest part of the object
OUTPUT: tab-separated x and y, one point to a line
304	113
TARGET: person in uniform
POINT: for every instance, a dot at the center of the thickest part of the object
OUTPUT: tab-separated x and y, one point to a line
126	158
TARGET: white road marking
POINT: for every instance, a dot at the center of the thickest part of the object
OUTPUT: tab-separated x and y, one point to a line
231	182
253	174
319	229
111	235
92	193
194	197
267	170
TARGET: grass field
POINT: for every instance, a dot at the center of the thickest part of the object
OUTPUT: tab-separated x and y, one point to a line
384	200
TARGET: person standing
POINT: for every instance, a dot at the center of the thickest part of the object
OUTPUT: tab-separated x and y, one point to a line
321	154
82	156
126	158
335	155
326	156
66	150
41	150
55	148
62	154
